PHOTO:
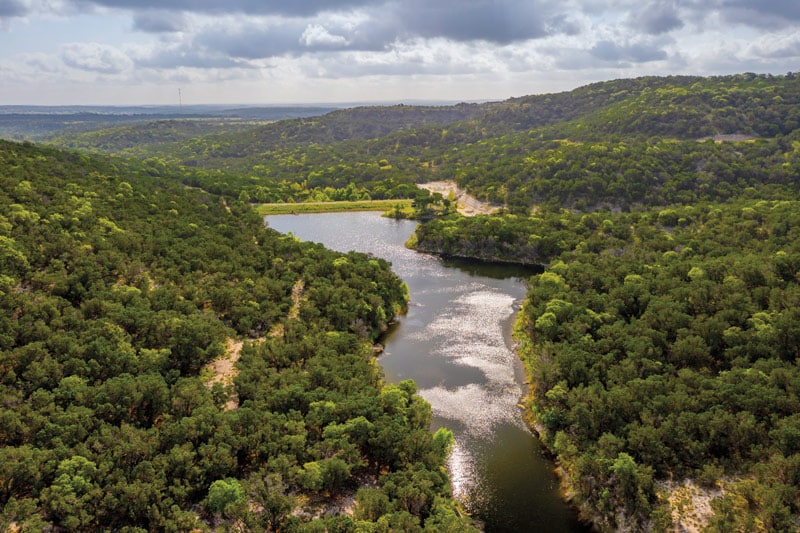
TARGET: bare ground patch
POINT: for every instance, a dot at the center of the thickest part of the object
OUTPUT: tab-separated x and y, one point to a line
730	137
467	205
690	504
223	370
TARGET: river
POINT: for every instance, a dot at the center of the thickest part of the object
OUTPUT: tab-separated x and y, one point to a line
455	342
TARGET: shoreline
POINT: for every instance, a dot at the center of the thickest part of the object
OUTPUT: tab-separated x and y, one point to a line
284	208
566	488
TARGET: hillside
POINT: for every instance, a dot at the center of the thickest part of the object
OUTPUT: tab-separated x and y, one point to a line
150	134
357	123
617	144
117	286
662	352
40	123
661	339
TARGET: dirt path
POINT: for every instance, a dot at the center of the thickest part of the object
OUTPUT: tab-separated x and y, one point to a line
297	296
224	370
467	205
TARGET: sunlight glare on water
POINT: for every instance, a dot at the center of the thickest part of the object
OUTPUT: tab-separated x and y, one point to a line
454	343
470	333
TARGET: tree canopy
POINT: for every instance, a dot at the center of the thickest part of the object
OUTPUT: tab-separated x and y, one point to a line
117	285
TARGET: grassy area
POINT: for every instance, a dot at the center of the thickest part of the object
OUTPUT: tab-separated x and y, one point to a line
332	207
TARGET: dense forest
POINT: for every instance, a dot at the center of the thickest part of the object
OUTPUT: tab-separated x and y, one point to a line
118	285
662	345
661	340
619	145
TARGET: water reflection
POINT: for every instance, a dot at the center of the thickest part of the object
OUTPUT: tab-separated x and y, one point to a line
455	343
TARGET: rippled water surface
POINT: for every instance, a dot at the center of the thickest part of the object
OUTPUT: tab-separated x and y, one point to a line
455	342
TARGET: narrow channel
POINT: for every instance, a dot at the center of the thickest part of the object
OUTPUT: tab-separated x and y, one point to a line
455	342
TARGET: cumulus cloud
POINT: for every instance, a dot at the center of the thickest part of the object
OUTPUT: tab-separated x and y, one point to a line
496	21
373	28
471	41
95	57
316	35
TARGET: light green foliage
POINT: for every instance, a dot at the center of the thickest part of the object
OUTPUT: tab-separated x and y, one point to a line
226	496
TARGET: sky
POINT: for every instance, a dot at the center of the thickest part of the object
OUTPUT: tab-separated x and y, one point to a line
162	52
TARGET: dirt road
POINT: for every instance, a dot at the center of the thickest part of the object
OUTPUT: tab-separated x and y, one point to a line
467	204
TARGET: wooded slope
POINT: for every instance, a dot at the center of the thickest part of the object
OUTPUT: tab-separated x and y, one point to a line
117	284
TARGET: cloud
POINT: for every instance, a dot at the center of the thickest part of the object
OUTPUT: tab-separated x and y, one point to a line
294	8
500	21
355	44
655	18
607	52
95	57
184	55
316	35
495	21
776	48
159	22
416	58
374	28
769	14
635	53
266	38
12	8
251	41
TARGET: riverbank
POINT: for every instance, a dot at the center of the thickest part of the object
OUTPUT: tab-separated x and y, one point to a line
524	349
684	501
284	208
453	343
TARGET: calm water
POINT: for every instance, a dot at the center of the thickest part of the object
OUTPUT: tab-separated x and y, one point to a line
455	342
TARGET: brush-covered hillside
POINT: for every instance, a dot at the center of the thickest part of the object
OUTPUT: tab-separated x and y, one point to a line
619	144
661	339
169	364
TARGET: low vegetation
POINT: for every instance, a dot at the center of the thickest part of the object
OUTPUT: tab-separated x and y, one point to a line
334	207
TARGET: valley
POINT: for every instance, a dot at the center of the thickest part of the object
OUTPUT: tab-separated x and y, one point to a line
658	334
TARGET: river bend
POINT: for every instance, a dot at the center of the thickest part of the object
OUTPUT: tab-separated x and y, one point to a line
455	342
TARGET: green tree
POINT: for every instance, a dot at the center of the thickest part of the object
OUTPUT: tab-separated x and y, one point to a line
226	497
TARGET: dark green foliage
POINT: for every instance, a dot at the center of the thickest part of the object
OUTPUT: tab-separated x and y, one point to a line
661	343
117	284
662	339
671	352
